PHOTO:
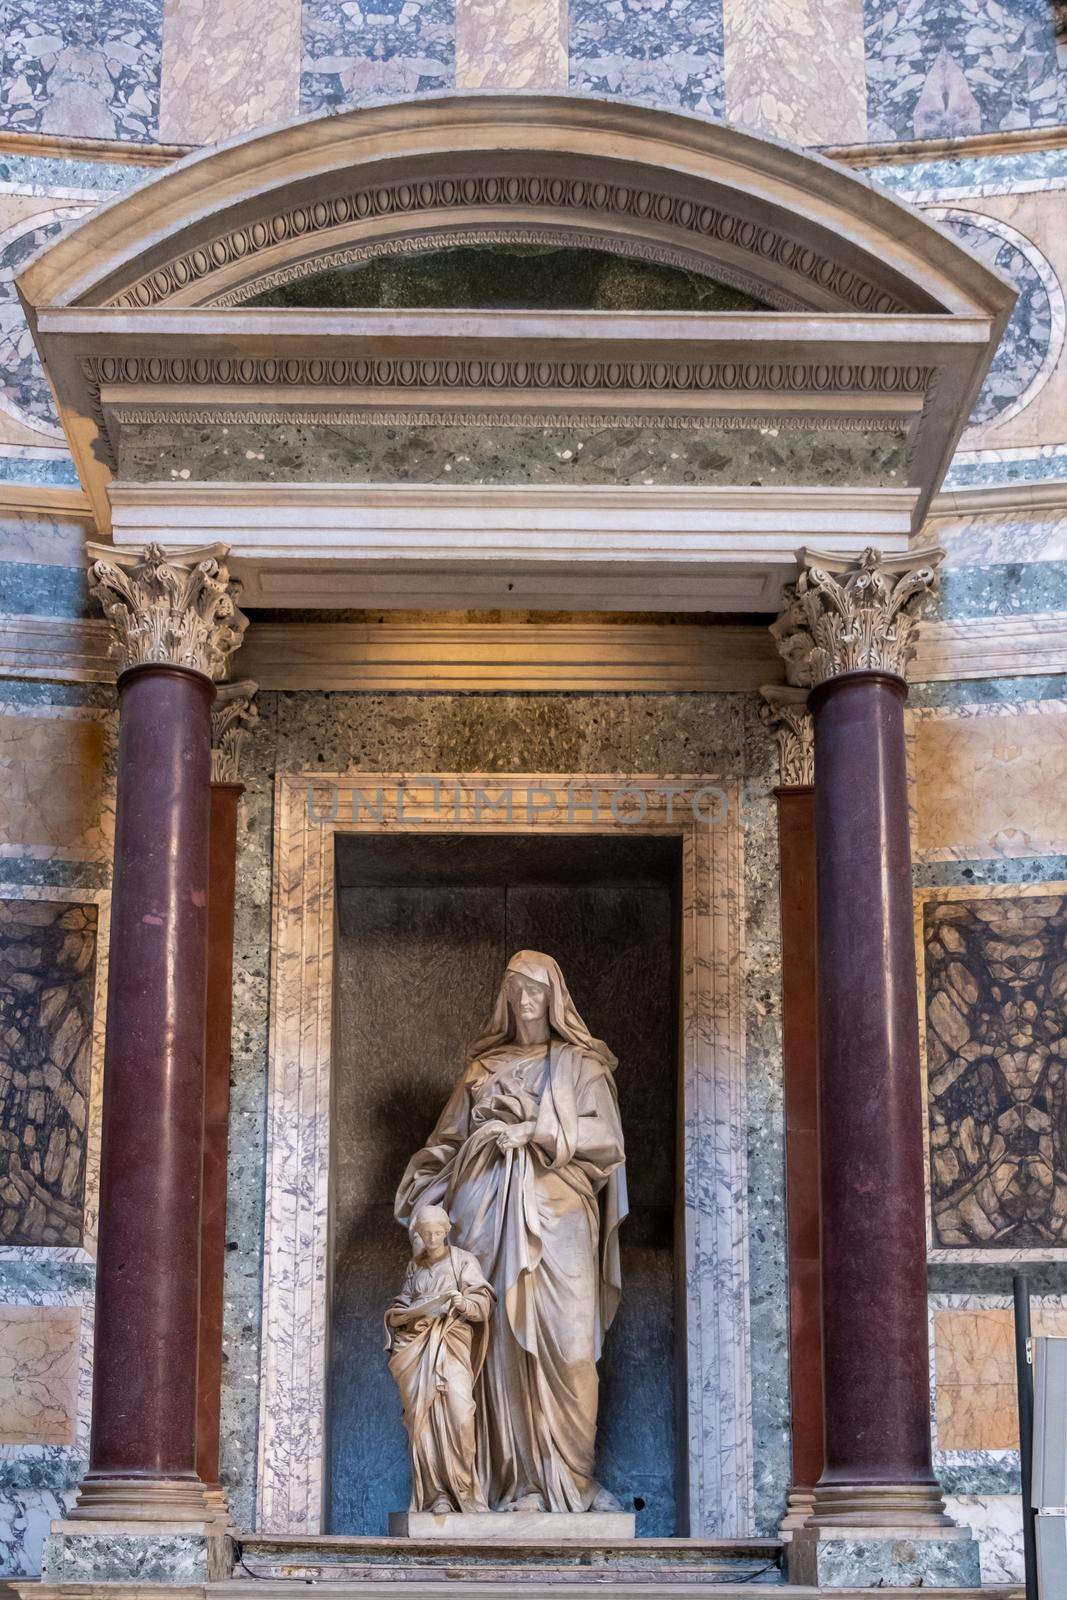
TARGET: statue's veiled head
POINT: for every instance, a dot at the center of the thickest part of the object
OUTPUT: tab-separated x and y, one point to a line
533	985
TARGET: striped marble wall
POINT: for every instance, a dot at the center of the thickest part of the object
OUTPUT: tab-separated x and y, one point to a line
814	71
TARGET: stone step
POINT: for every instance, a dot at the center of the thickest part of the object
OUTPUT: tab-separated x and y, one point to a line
587	1587
519	1560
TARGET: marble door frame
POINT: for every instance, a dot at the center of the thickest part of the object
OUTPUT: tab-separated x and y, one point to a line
310	809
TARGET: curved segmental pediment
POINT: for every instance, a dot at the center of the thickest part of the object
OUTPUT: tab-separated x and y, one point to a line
785	228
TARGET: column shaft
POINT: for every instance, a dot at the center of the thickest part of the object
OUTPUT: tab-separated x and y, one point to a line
144	1377
877	1396
221	883
796	853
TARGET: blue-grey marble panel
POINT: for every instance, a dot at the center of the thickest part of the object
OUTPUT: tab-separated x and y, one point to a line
90	70
667	51
940	69
388	49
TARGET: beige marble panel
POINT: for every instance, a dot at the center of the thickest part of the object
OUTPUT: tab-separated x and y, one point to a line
51	541
511	44
228	66
974	1366
990	784
38	1374
795	69
56	800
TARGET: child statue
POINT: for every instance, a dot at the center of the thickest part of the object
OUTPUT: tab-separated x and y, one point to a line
437	1332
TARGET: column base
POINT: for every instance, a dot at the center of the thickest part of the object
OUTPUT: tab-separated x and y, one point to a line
154	1500
798	1508
124	1552
865	1558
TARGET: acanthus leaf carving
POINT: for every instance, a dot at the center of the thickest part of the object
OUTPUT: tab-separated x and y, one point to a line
853	615
233	716
178	610
785	712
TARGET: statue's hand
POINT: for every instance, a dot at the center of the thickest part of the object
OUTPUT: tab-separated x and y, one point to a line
459	1300
514	1138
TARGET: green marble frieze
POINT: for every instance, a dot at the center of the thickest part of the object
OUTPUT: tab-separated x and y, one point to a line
361	452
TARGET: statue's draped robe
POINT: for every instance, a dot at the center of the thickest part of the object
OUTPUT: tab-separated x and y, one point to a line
543	1222
435	1365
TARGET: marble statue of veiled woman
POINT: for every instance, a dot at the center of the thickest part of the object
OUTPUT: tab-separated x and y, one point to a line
527	1157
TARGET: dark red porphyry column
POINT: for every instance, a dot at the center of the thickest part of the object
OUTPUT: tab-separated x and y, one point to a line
857	618
787	715
175	623
232	712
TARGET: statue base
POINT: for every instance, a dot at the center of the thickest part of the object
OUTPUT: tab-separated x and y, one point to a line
510	1527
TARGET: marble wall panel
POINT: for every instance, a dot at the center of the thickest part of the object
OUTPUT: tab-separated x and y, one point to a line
941	69
669	52
997	1523
223	72
1010	762
25	1518
56	800
25	397
1000	538
47	976
90	70
38	1374
795	69
976	1401
1032	342
351	53
1024	235
511	44
993	981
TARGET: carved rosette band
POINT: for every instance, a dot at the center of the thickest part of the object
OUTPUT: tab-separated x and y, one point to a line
233	717
178	610
785	712
853	614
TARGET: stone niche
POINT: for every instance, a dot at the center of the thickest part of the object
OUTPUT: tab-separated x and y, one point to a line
425	925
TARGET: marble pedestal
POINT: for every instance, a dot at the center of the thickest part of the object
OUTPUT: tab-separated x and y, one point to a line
122	1552
505	1527
861	1558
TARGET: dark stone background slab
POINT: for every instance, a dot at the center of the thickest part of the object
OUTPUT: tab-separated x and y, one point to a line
426	925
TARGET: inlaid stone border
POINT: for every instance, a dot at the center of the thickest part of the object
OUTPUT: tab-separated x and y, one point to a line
704	812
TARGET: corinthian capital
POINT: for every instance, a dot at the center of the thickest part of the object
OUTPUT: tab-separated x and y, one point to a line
848	614
178	610
233	717
785	712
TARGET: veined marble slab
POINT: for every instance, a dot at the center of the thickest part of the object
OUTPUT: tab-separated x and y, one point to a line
507	1527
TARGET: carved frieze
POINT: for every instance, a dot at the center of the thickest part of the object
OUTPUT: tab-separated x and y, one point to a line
179	610
712	228
847	616
702	377
233	717
785	712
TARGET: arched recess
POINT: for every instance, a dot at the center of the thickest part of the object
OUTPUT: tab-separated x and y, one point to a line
851	309
788	227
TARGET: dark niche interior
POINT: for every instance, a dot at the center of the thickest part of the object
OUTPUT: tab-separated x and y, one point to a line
426	924
511	277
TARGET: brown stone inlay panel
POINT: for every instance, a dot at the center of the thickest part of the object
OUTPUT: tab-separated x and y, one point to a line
47	952
996	1053
974	1365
